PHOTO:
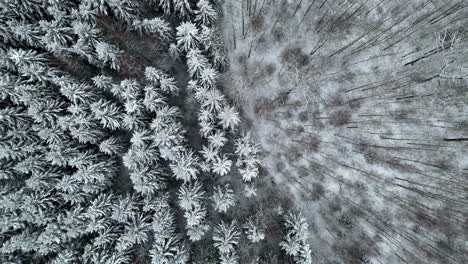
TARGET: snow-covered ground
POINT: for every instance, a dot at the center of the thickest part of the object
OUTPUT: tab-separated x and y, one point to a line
352	104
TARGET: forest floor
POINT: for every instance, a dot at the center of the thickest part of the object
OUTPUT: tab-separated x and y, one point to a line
355	104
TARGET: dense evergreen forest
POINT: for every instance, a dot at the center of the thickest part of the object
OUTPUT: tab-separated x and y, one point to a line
117	146
233	131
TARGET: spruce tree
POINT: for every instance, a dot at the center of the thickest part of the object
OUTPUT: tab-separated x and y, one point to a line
187	36
205	14
223	198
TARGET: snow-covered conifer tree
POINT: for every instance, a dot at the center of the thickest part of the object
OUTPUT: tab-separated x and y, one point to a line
295	243
155	26
205	14
210	153
78	93
213	100
126	10
229	258
185	166
206	128
221	165
165	82
113	146
229	118
168	247
247	157
250	190
190	195
148	180
109	114
166	6
223	198
196	62
217	139
226	237
168	85
195	216
187	36
183	8
103	82
153	99
87	34
208	77
196	222
174	52
109	54
123	209
56	35
136	232
12	31
254	232
128	89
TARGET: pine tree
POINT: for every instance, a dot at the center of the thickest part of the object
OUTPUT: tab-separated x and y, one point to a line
196	222
87	12
190	195
57	36
206	128
196	62
84	128
174	52
27	33
128	90
226	237
103	82
126	10
148	180
223	197
221	165
195	216
123	209
109	114
113	146
168	247
187	36
155	26
247	157
46	112
295	243
136	233
185	166
254	232
210	153
229	118
217	139
229	258
208	77
205	13
109	54
213	100
167	6
153	99
162	80
183	8
99	209
78	94
250	190
88	35
168	85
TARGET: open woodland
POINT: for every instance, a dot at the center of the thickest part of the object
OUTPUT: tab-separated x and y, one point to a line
233	131
361	110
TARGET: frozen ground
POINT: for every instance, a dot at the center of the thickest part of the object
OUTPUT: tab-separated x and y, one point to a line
360	107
